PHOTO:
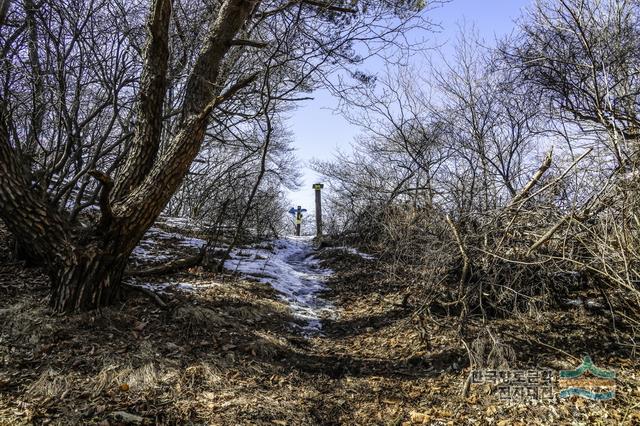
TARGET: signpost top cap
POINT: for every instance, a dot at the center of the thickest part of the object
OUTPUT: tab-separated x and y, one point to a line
317	186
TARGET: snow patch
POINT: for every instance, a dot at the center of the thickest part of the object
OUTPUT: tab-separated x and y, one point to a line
355	251
143	252
291	269
591	303
148	249
162	287
159	234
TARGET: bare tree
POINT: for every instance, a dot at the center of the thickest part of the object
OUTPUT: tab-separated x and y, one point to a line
583	57
86	262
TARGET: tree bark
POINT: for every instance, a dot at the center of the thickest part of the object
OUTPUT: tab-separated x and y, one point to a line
87	280
153	88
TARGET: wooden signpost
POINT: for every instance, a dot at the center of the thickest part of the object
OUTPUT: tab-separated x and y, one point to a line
318	188
297	218
298	221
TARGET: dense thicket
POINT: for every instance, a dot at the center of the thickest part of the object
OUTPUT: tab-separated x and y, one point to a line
508	177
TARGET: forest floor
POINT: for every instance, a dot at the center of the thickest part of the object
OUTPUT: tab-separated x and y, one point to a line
229	349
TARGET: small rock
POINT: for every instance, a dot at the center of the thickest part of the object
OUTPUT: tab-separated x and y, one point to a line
127	417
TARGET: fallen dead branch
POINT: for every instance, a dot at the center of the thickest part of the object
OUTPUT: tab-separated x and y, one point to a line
149	293
170	267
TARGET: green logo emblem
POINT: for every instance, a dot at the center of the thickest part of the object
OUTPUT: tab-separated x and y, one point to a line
588	381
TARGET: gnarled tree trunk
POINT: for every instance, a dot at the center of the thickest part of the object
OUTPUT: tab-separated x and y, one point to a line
86	280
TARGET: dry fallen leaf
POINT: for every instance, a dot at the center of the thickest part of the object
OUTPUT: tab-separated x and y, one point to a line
419	418
445	413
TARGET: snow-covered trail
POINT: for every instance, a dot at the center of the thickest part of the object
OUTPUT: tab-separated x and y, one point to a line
287	264
289	267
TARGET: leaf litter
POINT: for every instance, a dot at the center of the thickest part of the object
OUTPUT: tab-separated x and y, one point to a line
225	353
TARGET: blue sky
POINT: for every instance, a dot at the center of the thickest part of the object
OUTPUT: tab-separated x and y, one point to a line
318	131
